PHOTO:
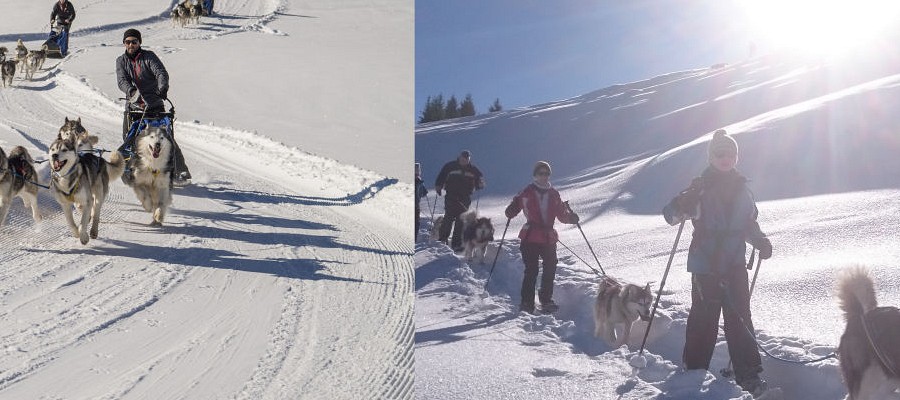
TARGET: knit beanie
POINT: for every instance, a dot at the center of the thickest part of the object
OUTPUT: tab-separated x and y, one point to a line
132	33
541	165
721	142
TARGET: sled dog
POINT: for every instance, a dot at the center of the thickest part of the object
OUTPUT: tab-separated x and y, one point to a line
16	176
195	10
869	348
21	55
152	166
620	304
8	68
436	228
72	129
82	181
3	51
477	233
180	14
34	61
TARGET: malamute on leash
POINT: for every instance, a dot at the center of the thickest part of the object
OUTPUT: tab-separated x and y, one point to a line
83	181
620	304
73	130
870	346
152	165
16	176
477	233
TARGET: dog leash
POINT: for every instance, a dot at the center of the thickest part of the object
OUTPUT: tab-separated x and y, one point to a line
17	175
878	352
582	260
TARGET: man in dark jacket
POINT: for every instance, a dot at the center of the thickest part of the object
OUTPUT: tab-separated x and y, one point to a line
63	14
143	78
421	192
460	178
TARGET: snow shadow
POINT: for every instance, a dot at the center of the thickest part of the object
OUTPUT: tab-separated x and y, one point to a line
296	268
456	333
255	219
228	195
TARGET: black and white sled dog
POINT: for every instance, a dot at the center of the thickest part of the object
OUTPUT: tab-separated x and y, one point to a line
72	129
152	165
477	233
16	176
870	346
83	181
620	305
34	61
8	71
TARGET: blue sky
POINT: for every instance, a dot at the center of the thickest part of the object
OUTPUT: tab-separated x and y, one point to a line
527	52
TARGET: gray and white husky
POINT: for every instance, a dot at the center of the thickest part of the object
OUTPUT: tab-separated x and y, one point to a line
870	347
82	181
477	233
72	129
620	305
152	164
17	177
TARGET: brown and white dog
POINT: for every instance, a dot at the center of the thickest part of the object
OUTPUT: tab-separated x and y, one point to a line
870	346
620	305
72	129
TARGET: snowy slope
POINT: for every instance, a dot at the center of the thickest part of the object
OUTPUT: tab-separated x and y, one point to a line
280	273
818	140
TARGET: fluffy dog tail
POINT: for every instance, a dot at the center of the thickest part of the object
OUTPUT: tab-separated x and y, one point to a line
856	292
468	218
115	166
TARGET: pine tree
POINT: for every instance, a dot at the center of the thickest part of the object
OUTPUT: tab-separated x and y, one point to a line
452	108
434	109
467	108
496	106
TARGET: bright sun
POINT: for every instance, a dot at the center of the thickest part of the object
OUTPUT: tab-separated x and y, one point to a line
820	26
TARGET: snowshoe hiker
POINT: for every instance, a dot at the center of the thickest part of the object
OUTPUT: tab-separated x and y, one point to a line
723	213
542	205
460	178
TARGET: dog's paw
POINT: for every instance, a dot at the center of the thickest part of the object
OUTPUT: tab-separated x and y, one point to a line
84	239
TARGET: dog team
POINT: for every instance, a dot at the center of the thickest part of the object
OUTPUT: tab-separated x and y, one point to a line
724	215
80	178
26	61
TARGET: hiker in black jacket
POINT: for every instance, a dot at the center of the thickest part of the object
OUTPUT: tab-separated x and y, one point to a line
460	178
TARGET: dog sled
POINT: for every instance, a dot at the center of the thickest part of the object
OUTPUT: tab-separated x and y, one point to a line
57	44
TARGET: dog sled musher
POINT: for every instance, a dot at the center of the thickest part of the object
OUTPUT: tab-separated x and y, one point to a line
138	118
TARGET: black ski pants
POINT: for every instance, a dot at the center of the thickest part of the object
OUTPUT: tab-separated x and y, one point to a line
728	295
532	253
454	206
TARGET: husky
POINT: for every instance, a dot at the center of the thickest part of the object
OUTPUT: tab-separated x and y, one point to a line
620	304
18	178
8	71
21	55
82	181
3	51
33	62
195	10
72	129
152	166
477	233
180	14
869	348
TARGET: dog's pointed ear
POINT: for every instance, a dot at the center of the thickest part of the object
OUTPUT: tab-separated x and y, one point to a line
67	119
647	288
79	120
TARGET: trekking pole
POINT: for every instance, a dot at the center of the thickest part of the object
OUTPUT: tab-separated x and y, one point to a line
640	357
728	371
433	206
494	264
579	257
578	224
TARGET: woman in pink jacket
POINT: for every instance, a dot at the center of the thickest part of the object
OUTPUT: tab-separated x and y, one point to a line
542	205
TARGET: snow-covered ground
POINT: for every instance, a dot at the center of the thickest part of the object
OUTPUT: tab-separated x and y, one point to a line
284	271
819	142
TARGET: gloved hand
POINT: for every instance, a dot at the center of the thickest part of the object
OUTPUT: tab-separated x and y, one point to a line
687	201
134	96
574	218
164	95
437	189
765	248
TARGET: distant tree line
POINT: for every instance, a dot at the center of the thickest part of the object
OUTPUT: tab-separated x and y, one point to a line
437	109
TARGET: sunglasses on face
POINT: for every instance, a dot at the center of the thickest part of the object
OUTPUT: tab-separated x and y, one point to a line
724	154
543	173
130	41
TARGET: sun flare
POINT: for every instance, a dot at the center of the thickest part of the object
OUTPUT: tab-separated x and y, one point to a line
817	26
